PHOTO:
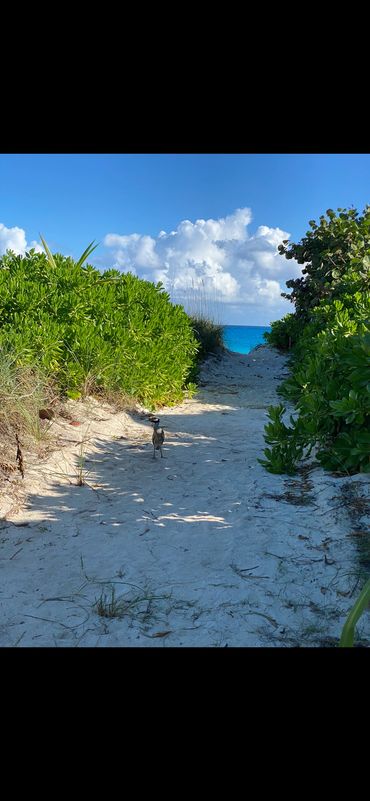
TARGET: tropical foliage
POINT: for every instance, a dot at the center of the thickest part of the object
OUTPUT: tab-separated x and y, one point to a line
330	359
102	330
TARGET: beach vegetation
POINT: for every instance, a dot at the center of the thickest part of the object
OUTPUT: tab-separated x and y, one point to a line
329	332
83	328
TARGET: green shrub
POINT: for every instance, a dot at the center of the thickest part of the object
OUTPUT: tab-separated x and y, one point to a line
284	333
333	248
330	365
109	331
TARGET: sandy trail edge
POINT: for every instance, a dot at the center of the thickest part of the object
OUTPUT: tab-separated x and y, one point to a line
202	548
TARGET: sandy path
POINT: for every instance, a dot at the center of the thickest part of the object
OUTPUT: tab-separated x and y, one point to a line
202	548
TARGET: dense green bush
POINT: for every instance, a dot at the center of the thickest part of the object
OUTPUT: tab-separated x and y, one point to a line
330	366
101	330
337	246
284	333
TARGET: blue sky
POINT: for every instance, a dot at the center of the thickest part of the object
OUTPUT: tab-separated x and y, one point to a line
237	208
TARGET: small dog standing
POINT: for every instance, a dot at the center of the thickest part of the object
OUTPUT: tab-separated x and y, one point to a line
158	436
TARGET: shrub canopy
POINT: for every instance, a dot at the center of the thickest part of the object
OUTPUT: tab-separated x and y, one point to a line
112	330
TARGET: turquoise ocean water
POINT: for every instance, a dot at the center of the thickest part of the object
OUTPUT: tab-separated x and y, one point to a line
242	338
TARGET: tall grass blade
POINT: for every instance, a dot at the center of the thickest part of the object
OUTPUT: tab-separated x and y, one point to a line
49	254
348	631
86	253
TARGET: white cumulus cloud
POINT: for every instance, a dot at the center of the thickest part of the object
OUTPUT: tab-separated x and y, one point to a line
15	239
242	274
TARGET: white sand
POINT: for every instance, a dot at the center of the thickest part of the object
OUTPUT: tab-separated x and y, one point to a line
202	548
